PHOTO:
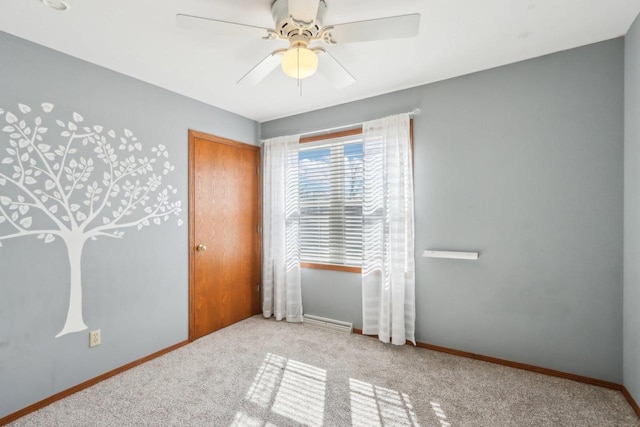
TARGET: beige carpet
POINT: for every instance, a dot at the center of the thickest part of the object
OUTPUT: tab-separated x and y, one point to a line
265	373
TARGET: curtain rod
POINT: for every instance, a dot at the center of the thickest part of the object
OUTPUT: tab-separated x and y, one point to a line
415	112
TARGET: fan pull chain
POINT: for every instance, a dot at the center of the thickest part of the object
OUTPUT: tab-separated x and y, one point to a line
299	80
298	68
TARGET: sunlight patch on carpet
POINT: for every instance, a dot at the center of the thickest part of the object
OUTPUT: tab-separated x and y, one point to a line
266	380
378	406
244	420
442	417
291	389
301	394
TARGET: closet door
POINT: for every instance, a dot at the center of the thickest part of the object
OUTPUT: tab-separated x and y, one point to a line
225	246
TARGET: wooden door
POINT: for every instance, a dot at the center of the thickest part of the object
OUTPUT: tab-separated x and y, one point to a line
224	217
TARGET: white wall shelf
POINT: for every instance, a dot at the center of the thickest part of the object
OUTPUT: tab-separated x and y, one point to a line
450	255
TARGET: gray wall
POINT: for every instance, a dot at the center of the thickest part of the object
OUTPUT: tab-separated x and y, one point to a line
135	288
523	163
631	326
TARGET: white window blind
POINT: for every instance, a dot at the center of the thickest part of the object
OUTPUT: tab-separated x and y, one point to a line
330	189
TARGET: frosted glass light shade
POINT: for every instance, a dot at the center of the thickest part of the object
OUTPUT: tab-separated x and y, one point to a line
299	63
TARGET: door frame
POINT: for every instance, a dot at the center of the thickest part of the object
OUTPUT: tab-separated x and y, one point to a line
193	134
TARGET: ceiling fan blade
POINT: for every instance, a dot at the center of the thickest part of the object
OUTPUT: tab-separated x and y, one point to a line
333	70
218	27
395	27
304	10
262	70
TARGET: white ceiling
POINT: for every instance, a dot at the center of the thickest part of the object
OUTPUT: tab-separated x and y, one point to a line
139	38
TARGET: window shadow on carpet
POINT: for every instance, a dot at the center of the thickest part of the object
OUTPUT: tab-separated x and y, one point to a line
379	406
296	392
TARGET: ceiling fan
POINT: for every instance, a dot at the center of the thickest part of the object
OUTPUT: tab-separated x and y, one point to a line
301	23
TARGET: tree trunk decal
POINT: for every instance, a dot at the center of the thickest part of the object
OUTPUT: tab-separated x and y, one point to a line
93	183
75	321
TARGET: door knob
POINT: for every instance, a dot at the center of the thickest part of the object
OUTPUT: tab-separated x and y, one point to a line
201	248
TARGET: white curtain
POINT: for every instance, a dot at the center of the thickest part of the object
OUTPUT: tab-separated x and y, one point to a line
281	291
388	271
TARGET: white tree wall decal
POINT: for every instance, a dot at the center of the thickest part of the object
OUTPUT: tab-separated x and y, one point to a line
92	184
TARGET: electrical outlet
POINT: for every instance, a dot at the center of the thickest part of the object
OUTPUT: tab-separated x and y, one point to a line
94	338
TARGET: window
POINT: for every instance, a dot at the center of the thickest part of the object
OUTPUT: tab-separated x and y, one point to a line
330	186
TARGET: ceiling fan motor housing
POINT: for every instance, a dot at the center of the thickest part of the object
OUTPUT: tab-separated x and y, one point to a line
288	26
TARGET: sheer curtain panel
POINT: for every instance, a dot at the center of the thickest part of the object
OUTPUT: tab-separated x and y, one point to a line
388	271
281	286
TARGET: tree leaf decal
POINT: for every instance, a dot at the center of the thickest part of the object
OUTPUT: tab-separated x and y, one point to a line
76	195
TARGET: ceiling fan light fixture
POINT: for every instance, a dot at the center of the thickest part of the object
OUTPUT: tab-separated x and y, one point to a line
299	62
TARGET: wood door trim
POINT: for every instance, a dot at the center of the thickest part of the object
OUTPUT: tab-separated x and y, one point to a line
213	138
192	231
193	135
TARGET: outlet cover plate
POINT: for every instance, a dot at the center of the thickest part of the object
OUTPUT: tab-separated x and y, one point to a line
94	338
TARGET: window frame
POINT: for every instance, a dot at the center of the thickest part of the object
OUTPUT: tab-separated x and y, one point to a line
333	135
322	137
